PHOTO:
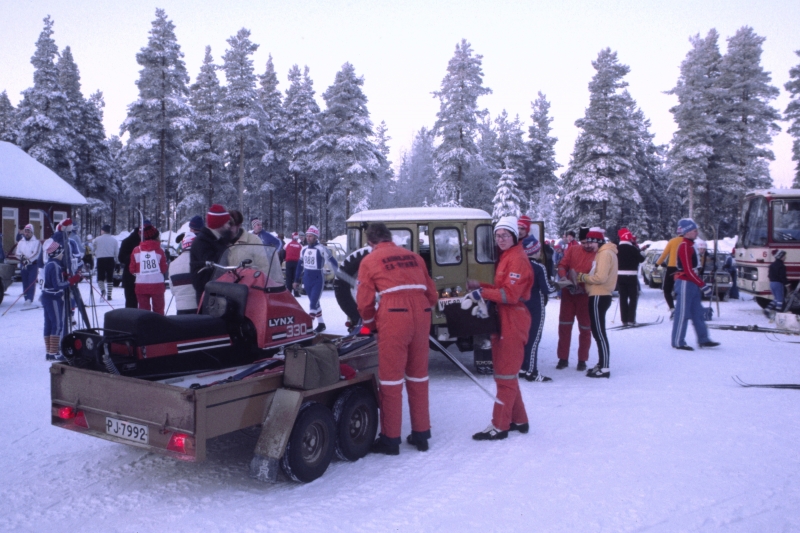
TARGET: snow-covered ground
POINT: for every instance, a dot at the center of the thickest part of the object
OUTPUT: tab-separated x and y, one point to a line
668	444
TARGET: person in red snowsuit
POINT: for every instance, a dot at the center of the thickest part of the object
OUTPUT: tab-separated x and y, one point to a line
574	304
149	264
403	319
513	280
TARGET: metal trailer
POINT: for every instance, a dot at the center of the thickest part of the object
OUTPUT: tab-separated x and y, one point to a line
301	430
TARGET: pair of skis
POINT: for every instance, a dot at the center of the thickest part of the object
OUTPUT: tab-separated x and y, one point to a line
659	320
753	328
741	383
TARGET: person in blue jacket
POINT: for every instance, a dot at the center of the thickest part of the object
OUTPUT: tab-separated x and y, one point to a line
313	257
55	283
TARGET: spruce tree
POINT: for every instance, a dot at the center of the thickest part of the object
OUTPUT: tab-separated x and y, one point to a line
43	116
540	184
8	119
301	129
158	120
416	175
205	180
507	199
748	123
601	185
692	158
792	114
274	168
242	115
481	178
345	151
457	122
384	191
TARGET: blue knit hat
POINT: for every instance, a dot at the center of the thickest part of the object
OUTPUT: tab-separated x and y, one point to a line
685	225
196	223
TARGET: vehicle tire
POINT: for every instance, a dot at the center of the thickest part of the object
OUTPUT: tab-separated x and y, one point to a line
762	302
345	294
356	416
644	279
2	291
311	444
653	285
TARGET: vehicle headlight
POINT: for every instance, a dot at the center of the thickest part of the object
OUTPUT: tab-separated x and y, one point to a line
723	278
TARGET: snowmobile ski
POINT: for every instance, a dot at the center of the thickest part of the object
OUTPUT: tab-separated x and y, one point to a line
659	320
753	328
741	383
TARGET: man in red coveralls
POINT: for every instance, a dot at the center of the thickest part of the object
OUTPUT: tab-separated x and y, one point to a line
574	304
399	280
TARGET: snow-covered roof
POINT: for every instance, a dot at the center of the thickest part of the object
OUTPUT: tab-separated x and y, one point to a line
24	178
419	213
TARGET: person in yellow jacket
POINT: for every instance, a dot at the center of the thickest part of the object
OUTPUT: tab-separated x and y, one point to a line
600	282
670	255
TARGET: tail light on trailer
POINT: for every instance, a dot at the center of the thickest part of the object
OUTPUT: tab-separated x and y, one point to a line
181	443
76	416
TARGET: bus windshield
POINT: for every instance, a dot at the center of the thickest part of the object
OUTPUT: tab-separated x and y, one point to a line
786	221
754	223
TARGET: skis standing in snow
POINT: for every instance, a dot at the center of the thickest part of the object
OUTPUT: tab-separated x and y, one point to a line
600	282
535	304
310	270
688	288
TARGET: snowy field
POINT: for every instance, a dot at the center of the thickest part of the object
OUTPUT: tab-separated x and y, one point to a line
668	444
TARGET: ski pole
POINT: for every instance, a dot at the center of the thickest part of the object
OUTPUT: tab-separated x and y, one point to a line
103	297
463	369
615	312
170	304
18	297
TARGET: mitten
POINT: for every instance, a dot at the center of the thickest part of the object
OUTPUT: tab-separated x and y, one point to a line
707	290
73	280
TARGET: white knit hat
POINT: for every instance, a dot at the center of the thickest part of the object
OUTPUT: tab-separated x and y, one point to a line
509	224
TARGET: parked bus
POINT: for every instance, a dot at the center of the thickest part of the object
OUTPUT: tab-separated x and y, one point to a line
770	222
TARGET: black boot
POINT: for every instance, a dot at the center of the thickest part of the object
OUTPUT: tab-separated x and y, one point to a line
562	363
419	439
490	433
386	446
522	428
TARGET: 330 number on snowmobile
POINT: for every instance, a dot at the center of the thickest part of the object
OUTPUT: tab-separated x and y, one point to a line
126	430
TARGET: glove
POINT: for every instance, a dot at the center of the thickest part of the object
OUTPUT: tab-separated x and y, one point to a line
73	280
65	274
475	300
707	290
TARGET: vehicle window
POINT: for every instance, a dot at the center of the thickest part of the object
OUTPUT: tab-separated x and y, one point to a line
786	221
353	239
402	237
754	223
484	244
447	246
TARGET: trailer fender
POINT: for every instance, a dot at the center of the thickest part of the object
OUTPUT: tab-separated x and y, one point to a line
275	434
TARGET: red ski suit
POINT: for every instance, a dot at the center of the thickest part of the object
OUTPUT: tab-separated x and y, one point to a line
403	321
513	280
574	305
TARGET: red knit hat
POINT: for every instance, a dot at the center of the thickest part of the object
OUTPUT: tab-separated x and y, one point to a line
150	233
524	222
595	235
625	235
217	216
313	230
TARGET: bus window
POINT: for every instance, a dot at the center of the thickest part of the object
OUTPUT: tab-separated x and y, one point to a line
754	223
786	221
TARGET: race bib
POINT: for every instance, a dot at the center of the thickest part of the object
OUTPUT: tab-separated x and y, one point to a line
310	260
149	263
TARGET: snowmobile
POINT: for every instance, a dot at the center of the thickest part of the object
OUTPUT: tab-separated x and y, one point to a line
244	316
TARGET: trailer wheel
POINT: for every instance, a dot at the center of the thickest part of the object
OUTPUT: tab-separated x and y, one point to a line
311	444
356	415
762	302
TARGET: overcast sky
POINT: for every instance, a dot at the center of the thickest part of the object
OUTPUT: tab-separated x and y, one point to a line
401	48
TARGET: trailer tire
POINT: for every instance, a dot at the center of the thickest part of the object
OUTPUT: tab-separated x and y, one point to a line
345	294
762	302
356	416
311	444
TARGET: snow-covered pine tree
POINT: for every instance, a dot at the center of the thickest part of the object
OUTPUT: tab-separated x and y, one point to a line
792	114
301	129
43	118
601	185
158	120
457	122
415	176
242	115
691	158
507	199
748	123
8	119
89	158
345	152
275	173
384	192
205	180
116	201
540	183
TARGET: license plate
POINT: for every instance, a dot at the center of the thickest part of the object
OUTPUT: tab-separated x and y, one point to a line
126	430
447	301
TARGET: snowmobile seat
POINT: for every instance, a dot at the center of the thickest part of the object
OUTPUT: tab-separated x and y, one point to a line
225	300
149	328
